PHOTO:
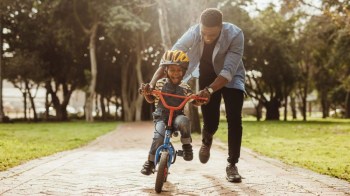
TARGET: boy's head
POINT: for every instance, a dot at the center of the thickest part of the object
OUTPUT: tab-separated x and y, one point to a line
176	64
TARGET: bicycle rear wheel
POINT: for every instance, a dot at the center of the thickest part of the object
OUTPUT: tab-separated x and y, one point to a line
162	172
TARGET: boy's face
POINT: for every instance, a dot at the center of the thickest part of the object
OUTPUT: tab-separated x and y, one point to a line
175	73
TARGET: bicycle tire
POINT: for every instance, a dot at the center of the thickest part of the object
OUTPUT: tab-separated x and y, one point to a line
162	172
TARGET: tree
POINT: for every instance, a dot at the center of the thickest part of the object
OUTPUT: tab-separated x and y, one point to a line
271	71
25	71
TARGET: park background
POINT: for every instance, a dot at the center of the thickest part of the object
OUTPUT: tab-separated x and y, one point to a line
65	60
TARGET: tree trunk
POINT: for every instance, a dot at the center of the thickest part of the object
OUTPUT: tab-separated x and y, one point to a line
324	105
293	107
347	105
163	25
47	104
304	104
92	89
25	104
61	108
31	99
272	109
2	115
258	109
193	111
103	108
139	79
131	79
285	108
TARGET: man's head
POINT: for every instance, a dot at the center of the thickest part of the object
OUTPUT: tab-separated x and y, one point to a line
176	64
210	24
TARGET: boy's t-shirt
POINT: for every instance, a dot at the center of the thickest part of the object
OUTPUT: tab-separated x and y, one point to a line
164	85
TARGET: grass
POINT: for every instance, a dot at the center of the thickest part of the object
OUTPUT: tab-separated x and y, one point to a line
320	145
21	142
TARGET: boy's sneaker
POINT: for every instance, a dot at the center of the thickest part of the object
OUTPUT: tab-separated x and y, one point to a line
148	168
187	152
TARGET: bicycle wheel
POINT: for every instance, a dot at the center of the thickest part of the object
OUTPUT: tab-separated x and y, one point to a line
162	171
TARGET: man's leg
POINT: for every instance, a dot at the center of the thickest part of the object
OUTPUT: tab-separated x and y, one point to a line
182	124
233	105
211	116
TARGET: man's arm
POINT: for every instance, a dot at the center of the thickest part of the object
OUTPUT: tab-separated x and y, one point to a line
233	57
218	83
156	76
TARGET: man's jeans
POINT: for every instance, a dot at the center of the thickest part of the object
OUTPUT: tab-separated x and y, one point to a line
233	99
181	123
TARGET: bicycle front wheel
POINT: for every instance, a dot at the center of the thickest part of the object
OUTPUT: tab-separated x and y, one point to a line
162	171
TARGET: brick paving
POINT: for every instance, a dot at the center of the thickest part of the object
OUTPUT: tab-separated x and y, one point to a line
111	165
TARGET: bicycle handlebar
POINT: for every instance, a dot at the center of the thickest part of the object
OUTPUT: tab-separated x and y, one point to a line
186	99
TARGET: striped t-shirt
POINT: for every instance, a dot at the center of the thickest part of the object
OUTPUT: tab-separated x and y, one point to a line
160	84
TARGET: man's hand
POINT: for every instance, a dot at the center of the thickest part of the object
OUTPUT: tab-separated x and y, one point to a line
205	94
145	89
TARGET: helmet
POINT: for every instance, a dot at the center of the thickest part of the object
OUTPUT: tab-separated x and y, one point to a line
175	57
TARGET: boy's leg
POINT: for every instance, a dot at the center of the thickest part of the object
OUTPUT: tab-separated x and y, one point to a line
158	139
182	124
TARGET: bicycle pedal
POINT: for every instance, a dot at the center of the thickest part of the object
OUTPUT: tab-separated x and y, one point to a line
180	153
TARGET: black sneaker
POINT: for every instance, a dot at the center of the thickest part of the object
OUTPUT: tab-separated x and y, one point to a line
148	168
232	173
188	152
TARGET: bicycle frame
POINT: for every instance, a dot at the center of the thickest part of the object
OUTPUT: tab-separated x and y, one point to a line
169	129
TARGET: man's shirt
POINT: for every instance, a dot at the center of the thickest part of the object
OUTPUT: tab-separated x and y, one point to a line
227	54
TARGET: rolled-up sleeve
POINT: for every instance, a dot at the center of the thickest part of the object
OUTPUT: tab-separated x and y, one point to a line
233	57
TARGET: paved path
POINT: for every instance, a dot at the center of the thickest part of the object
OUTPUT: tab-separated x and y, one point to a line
111	166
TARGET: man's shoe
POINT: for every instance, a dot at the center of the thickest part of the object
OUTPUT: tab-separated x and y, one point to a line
204	153
148	168
232	173
188	152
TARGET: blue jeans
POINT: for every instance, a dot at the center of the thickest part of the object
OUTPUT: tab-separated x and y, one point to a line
233	99
181	123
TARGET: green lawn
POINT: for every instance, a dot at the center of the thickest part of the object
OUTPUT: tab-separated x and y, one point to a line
20	142
322	145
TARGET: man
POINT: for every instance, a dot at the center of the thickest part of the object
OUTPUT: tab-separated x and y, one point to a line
217	49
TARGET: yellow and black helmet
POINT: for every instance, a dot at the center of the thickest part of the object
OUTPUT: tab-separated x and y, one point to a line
175	57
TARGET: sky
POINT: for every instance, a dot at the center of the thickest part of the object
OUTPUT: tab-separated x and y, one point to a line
262	4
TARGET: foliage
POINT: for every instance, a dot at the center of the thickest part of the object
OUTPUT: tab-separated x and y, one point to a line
270	65
287	51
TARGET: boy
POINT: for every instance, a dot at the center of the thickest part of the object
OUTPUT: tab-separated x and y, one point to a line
175	63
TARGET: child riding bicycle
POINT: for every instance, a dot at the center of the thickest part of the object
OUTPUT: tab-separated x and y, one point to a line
175	63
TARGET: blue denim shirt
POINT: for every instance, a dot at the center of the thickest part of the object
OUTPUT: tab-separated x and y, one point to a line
227	55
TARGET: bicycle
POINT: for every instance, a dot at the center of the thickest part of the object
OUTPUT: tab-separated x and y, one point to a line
166	153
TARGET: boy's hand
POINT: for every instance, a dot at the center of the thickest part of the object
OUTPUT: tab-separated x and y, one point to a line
145	89
205	94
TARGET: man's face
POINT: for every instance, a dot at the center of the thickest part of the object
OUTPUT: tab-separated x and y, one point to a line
209	34
175	73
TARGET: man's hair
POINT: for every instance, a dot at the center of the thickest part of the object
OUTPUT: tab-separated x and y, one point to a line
211	17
